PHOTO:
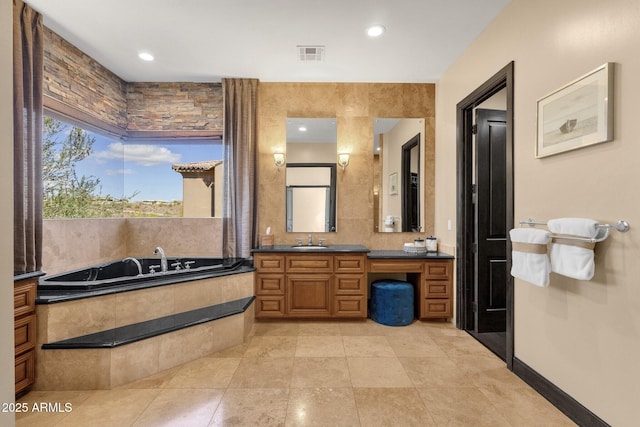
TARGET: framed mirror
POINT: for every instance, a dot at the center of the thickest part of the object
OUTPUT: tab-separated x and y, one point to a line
400	180
311	175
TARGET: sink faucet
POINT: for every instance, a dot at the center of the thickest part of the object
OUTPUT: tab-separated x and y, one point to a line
164	266
136	262
310	240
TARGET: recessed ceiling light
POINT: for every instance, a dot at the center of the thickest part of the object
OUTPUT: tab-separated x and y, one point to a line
145	56
302	129
375	31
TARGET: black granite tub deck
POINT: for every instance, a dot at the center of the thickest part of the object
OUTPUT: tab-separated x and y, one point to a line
150	328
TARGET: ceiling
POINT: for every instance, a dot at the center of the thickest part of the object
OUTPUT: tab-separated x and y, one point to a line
206	40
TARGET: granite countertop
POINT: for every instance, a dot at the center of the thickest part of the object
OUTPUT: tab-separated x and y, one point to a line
328	248
399	254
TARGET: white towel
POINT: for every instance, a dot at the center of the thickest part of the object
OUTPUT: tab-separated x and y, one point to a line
529	256
573	258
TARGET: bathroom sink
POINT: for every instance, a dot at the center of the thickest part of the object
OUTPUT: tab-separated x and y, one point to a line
308	247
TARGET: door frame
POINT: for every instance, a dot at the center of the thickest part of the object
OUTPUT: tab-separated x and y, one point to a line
503	79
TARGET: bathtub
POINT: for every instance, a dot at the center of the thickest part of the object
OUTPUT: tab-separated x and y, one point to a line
124	274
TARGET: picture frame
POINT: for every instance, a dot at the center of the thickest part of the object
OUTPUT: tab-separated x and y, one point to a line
393	183
577	115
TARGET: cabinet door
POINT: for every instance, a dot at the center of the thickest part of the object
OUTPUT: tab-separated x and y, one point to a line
270	306
350	284
350	306
309	295
270	284
267	263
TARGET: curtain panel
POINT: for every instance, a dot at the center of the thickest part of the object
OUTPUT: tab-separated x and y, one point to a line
28	57
240	153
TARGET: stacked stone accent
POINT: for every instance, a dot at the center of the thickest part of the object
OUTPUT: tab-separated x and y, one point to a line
78	81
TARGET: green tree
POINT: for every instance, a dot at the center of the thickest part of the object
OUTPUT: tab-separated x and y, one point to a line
66	195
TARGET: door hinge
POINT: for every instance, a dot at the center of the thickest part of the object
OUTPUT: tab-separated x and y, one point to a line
475	307
474	129
474	193
474	248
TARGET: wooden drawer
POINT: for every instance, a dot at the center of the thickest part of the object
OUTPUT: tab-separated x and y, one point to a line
25	370
309	263
350	306
270	306
349	263
269	263
350	284
437	289
438	270
270	284
25	334
436	308
395	266
24	298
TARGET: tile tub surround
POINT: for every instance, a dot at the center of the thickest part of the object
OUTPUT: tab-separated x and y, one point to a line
80	317
320	373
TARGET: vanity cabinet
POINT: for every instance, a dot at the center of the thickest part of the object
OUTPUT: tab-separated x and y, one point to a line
24	312
432	279
315	285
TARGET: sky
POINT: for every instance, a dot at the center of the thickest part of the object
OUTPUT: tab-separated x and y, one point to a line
143	169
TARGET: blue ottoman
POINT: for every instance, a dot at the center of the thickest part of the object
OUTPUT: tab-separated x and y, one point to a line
391	302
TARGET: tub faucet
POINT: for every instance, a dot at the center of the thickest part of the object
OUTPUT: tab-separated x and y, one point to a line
164	266
136	262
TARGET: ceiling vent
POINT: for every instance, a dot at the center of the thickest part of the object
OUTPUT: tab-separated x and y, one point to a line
310	53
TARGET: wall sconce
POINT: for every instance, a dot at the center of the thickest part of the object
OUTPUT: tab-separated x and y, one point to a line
278	159
343	160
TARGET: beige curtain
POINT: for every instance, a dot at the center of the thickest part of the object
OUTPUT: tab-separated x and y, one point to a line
28	54
240	152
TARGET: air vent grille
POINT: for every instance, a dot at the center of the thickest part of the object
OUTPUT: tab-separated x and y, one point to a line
310	53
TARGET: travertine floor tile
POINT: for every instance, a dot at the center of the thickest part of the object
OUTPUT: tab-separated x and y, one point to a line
271	346
461	406
370	346
181	407
263	372
252	407
322	407
320	346
304	373
320	372
391	407
110	408
205	373
377	372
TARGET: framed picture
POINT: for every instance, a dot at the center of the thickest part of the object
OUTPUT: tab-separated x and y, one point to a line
393	183
578	114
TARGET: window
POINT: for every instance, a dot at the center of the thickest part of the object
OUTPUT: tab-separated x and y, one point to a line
89	175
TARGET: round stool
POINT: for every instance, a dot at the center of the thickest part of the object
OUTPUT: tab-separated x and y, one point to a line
391	302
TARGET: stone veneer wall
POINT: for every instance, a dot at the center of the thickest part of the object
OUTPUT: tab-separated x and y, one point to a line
81	84
174	106
355	106
78	81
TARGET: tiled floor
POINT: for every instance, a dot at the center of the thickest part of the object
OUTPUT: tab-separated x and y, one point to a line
322	374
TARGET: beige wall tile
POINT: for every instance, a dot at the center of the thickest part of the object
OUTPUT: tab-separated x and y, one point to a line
134	361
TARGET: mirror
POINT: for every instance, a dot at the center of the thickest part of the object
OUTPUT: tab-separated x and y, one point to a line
311	175
400	179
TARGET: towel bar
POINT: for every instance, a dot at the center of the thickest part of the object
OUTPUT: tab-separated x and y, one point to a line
603	230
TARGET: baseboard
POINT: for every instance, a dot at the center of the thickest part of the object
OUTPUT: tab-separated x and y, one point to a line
561	400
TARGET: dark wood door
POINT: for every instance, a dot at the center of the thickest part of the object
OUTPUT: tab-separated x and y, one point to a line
491	224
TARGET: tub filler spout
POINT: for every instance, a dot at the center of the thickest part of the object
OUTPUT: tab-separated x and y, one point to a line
164	266
136	262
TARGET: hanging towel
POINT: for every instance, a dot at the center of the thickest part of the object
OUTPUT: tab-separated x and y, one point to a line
529	255
573	258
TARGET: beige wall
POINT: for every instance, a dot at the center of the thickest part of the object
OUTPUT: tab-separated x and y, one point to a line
582	336
76	243
354	105
7	388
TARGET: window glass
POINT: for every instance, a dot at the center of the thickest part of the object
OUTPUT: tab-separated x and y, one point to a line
89	175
